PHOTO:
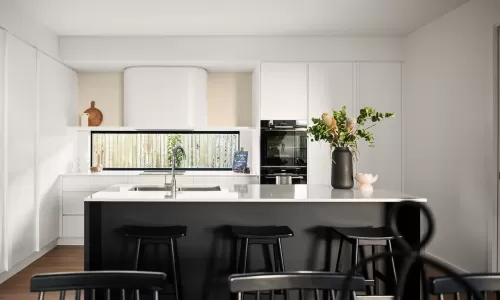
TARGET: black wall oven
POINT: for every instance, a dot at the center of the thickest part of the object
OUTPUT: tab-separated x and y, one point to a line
283	154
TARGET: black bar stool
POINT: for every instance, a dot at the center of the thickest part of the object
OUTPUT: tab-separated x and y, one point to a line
260	235
167	235
369	236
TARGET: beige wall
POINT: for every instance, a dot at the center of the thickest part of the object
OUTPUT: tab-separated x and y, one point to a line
230	99
106	89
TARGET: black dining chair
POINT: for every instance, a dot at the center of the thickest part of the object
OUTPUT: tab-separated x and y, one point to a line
485	283
301	282
102	283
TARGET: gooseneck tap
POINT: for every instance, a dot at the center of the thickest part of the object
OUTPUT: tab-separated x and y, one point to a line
174	183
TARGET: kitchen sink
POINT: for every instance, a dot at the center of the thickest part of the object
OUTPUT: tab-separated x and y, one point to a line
199	189
151	188
168	188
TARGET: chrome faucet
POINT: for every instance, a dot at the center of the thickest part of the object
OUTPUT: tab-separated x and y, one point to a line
173	184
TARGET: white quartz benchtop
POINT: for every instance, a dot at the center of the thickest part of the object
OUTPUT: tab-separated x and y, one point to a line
141	173
252	193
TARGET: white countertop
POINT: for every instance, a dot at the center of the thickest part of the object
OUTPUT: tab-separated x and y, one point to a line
252	193
186	173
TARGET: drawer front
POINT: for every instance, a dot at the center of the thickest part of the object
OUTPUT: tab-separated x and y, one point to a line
76	184
73	203
98	183
73	226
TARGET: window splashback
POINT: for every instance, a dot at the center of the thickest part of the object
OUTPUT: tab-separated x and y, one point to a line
153	150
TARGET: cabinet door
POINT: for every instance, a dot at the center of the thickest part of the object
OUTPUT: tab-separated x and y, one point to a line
380	88
57	96
283	91
330	87
21	133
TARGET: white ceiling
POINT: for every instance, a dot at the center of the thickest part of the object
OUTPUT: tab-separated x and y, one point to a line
236	17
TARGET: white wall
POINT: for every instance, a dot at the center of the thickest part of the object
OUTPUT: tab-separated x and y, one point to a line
229	99
24	26
106	89
229	51
449	129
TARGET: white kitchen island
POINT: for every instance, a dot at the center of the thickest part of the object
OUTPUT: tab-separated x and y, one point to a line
206	252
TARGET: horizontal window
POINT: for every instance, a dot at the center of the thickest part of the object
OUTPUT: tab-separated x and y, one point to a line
153	150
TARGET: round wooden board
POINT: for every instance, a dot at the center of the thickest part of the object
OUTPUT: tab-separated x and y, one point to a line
95	115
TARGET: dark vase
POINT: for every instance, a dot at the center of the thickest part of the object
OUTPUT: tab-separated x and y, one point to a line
342	177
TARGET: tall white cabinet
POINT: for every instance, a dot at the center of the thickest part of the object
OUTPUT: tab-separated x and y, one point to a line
331	85
37	104
283	91
57	89
356	85
20	146
379	86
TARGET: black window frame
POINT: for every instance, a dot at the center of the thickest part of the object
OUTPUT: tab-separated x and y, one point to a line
161	132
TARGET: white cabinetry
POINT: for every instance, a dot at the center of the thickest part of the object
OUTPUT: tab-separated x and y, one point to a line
380	87
357	85
283	91
165	97
57	100
20	146
330	87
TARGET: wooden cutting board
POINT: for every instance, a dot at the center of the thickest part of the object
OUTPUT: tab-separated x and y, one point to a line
95	115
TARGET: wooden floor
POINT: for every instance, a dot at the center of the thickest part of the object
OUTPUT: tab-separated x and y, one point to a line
60	259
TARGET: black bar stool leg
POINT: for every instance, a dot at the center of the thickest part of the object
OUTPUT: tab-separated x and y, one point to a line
137	253
281	257
174	268
337	265
362	254
354	253
389	243
374	267
178	268
242	266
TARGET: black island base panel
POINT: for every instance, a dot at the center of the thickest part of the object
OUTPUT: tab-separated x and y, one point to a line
206	253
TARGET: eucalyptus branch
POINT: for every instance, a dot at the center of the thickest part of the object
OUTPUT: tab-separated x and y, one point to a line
338	130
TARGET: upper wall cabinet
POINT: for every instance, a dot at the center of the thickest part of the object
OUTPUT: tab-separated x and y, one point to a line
283	91
165	97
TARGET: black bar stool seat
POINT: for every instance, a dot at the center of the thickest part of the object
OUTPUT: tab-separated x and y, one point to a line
260	235
364	233
152	232
261	232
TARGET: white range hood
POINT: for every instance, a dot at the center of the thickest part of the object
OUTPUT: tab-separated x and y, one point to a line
165	98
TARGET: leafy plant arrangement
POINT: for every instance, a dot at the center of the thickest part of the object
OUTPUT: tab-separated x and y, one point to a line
173	141
338	130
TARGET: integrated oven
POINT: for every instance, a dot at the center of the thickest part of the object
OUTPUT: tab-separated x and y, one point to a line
283	152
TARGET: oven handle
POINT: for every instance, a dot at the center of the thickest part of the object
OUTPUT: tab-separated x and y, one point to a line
285	129
292	177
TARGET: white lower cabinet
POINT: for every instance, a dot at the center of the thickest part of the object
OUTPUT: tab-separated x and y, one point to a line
73	226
